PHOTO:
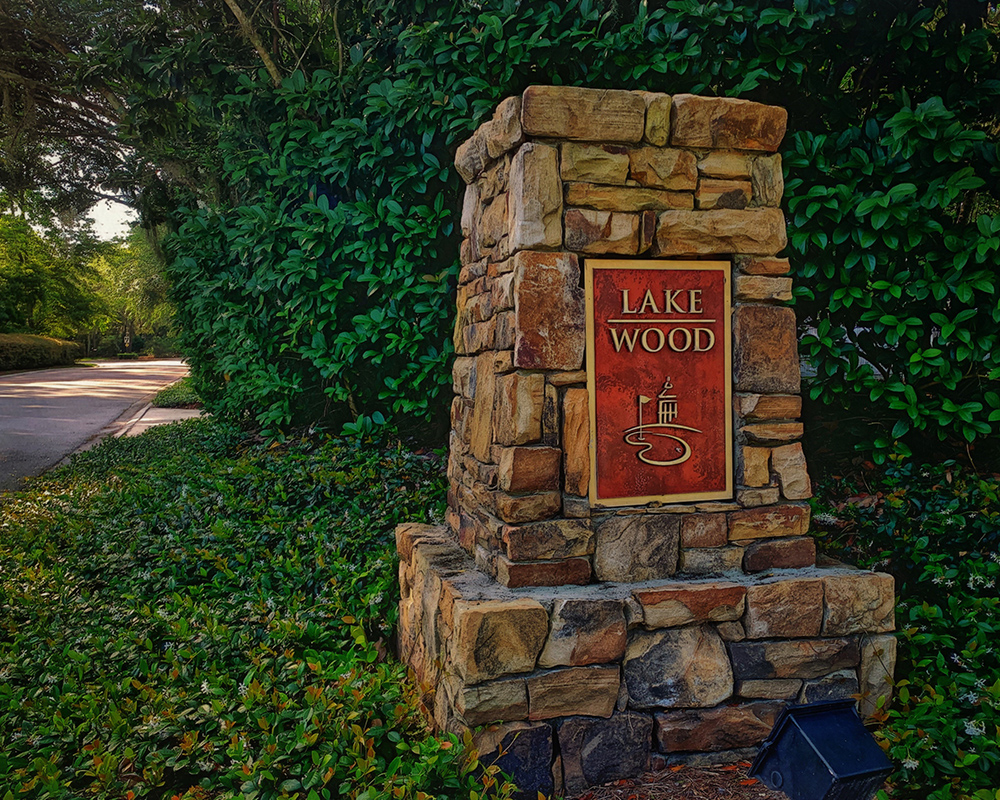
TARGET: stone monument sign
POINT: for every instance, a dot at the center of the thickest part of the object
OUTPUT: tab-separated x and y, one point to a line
626	576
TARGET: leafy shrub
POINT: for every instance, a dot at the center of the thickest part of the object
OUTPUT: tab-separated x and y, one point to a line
189	613
180	394
937	529
25	351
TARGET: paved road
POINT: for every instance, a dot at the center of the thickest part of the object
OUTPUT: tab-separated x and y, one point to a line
47	414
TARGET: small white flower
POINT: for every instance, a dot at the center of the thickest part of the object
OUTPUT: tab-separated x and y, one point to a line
981	683
949	582
243	690
910	764
205	687
969	697
825	519
938	579
975	728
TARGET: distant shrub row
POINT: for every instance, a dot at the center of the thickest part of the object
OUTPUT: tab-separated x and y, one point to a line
24	351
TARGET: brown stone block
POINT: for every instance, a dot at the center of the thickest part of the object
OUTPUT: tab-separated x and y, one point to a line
704	530
529	469
469	252
790	609
576	507
534	204
636	548
472	272
755	466
585	631
626	198
763	288
550	312
661	168
596	752
714	729
677	668
551	539
570	378
790	466
576	441
657	117
590	231
769	523
570	112
764	496
472	156
550	417
594	163
754	265
502	292
410	534
768	407
765	355
723	164
496	638
463	377
647	231
720	231
505	133
478	336
731	631
503	337
710	560
496	701
780	554
784	689
878	661
841	685
803	658
518	415
678	604
481	426
716	193
859	602
493	223
577	691
770	432
527	507
768	182
722	123
562	572
495	181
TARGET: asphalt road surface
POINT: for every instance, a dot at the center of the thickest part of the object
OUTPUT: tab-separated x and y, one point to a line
47	414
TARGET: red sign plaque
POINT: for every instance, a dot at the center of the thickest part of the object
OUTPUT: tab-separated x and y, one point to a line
659	367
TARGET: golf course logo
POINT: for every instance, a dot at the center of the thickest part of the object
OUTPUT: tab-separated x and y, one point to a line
659	442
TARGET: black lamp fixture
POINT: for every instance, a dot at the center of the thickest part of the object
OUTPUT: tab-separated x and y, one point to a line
821	751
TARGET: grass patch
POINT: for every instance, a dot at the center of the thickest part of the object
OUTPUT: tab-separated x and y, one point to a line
180	394
189	614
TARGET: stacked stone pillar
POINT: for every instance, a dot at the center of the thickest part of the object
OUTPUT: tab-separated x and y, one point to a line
597	640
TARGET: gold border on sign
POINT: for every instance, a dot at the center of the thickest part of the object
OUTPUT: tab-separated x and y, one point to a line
725	267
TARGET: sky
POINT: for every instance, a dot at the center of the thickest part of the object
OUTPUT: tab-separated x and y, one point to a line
111	219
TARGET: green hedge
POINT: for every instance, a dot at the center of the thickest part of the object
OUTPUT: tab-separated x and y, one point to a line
25	351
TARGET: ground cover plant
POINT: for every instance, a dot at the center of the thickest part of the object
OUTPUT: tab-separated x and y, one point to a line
181	394
937	530
192	614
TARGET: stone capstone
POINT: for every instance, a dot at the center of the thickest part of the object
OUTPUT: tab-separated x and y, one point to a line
723	123
675	604
859	602
493	639
570	112
677	668
784	609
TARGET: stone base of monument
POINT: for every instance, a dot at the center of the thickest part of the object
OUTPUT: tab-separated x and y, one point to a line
580	685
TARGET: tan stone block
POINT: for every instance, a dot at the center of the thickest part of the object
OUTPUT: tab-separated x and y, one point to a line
470	209
549	312
493	222
461	417
469	251
626	198
715	729
711	507
496	701
535	198
768	182
410	534
756	469
859	602
570	112
875	675
723	164
771	432
561	572
765	355
478	336
663	168
704	530
710	560
790	609
585	631
505	133
769	522
571	378
503	330
803	658
764	496
720	231
657	130
594	163
791	553
677	667
790	465
551	539
763	288
528	507
672	605
717	193
576	691
518	415
472	272
590	231
481	427
784	689
463	376
776	406
636	548
496	638
731	631
753	265
494	181
722	123
502	292
503	362
576	507
472	156
529	469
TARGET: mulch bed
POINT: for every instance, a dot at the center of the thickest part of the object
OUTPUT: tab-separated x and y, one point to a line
688	783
